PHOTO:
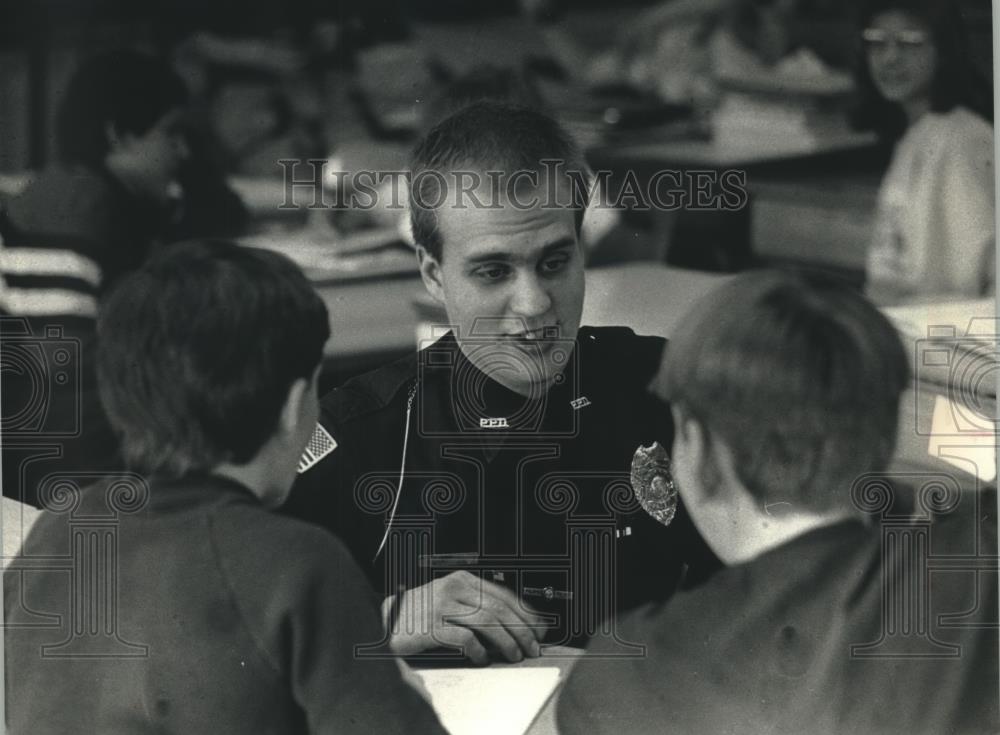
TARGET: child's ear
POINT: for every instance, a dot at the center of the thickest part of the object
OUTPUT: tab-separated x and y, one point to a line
699	449
687	427
291	411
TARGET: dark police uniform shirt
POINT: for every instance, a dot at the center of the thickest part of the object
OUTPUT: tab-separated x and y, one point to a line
532	494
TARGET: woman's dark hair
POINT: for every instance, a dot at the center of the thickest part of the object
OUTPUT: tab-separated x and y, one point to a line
198	350
128	90
956	80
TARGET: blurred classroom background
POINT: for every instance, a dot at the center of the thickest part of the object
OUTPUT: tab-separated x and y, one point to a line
761	87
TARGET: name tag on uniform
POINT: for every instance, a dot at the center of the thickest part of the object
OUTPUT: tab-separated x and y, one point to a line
498	423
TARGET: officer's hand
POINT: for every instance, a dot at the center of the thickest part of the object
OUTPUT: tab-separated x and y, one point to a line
463	611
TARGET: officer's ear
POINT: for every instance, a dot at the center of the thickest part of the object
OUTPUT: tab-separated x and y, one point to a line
430	272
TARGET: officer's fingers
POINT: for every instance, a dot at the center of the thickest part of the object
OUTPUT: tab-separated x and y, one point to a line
407	642
441	625
453	587
527	637
526	634
515	603
493	633
420	616
449	597
482	593
458	580
464	639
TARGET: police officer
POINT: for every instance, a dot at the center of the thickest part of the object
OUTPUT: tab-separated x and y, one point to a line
484	483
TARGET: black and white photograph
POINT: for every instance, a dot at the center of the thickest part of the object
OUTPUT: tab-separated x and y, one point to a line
530	367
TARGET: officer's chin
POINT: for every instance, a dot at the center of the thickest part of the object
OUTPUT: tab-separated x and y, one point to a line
533	383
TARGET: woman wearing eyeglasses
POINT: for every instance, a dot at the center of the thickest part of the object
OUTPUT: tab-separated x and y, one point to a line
934	232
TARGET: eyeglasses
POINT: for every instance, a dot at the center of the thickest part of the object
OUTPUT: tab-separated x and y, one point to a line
876	39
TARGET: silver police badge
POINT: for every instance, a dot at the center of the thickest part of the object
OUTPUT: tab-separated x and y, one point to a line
653	483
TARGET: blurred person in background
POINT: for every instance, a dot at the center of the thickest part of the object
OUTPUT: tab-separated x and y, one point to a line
934	232
127	180
684	51
112	193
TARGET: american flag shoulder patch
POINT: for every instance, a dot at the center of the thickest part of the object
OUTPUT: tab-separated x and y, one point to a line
320	444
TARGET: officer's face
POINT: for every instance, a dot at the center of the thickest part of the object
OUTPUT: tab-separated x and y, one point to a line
511	281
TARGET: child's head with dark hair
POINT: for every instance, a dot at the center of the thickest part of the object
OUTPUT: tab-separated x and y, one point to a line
912	54
799	377
199	350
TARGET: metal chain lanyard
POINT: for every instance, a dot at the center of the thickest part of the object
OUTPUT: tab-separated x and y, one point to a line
402	469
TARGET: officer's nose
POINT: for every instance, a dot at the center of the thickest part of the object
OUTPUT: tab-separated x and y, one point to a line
530	297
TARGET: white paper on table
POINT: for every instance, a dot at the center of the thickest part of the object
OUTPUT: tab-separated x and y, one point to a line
496	701
963	440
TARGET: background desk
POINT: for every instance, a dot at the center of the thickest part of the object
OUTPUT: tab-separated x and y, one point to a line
819	220
776	224
732	152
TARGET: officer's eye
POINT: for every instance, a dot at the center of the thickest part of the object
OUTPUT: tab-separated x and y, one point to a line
555	264
491	273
